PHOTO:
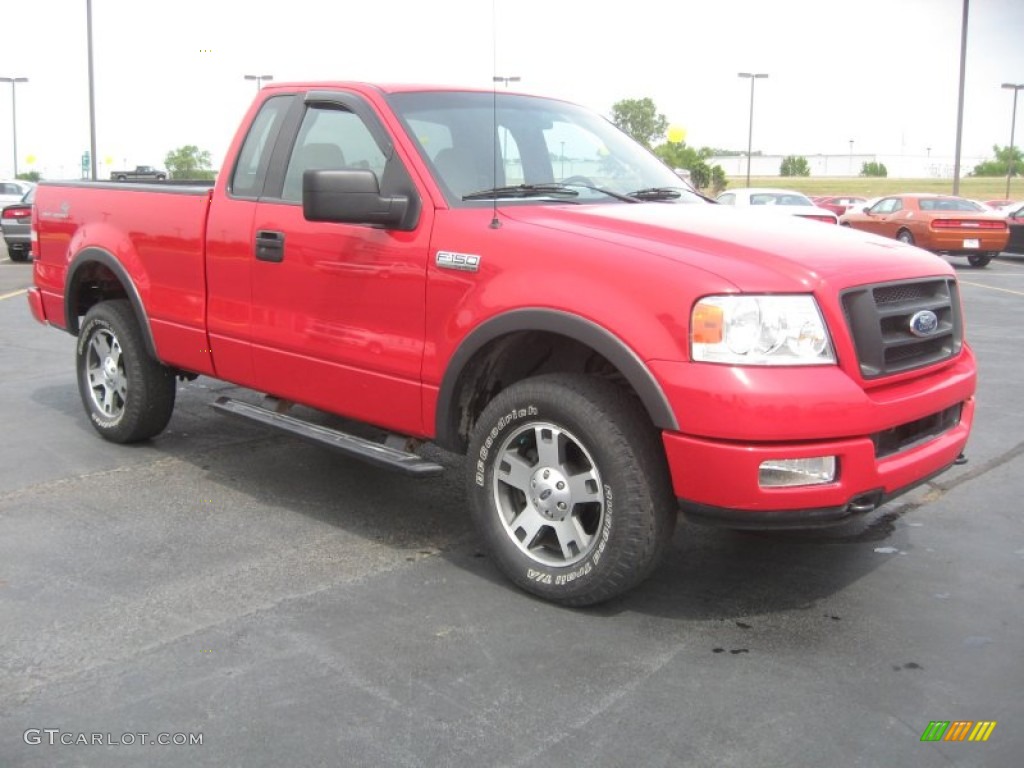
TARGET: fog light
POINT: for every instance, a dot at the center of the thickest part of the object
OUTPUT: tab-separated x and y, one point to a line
786	473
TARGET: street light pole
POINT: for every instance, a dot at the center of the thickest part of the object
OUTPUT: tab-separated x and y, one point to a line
92	93
750	131
13	114
851	157
1016	87
960	99
260	79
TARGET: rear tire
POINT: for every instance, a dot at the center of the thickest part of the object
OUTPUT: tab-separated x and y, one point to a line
980	260
128	395
18	254
569	487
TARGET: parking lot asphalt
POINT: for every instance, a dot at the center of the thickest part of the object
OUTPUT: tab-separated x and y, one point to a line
291	607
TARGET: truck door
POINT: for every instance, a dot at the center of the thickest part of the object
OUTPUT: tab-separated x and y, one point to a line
338	309
228	250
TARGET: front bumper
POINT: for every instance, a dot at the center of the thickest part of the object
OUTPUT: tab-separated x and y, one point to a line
719	480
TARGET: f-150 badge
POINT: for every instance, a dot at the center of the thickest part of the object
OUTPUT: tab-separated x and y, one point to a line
466	262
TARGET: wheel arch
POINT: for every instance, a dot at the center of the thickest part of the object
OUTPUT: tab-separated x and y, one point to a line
481	352
95	275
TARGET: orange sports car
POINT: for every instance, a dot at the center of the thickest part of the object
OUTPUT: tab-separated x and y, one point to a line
939	223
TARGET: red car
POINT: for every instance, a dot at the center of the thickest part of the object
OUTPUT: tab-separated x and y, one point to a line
939	223
838	205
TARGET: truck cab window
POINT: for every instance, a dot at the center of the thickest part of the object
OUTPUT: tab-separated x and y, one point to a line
330	138
250	170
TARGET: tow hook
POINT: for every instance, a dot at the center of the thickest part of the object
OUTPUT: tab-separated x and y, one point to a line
862	505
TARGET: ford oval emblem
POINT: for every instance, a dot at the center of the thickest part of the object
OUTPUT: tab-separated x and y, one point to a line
924	323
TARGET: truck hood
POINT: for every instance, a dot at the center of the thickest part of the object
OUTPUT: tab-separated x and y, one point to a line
772	253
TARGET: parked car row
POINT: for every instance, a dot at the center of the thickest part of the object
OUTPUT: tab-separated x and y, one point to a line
944	224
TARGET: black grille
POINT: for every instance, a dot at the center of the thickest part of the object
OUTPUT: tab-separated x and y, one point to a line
879	320
915	432
894	294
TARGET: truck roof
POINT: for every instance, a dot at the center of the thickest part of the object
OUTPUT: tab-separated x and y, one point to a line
381	87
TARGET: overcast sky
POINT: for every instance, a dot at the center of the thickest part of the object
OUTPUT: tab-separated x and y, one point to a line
881	72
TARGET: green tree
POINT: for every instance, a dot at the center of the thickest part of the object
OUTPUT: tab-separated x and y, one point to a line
678	154
30	176
1001	164
874	169
189	162
794	166
640	119
718	180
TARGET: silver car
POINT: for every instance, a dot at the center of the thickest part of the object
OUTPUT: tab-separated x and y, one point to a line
13	191
16	222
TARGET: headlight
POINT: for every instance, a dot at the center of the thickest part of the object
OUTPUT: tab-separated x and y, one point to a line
759	330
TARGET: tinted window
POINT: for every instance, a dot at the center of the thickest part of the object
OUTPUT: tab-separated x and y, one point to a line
948	204
889	205
330	138
778	198
247	179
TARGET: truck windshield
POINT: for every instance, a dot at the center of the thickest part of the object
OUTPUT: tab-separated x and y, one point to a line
534	143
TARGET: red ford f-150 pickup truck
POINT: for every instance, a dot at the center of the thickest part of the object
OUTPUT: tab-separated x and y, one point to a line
514	279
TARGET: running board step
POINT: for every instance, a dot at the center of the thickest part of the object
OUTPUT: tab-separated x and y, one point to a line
351	445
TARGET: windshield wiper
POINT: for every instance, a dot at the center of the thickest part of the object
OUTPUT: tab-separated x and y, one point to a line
656	193
668	193
523	190
603	191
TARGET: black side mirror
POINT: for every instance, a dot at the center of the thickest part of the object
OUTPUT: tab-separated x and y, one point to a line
352	196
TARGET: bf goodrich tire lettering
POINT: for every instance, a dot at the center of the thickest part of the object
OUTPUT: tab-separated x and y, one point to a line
128	395
568	486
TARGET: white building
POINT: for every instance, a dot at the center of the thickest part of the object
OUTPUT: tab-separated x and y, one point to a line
898	166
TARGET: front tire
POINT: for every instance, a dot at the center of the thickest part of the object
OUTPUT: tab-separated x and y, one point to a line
128	395
569	488
904	236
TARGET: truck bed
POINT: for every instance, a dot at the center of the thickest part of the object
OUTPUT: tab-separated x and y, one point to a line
154	231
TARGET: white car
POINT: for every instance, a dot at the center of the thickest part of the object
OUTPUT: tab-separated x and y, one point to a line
777	201
13	191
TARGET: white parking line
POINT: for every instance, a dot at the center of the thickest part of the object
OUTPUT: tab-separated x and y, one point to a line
13	294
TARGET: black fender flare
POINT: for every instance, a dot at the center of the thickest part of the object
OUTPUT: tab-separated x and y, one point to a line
94	255
602	341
